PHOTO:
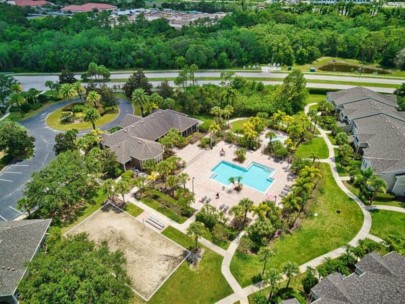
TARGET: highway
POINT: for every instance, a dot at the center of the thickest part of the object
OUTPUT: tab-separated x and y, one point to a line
38	81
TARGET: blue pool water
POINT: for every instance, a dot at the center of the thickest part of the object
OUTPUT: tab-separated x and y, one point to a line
255	176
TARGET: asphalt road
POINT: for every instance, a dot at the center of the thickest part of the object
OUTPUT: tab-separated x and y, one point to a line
14	177
38	82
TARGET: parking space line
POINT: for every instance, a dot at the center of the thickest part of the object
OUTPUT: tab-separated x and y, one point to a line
10	172
16	210
19	165
6	180
3	218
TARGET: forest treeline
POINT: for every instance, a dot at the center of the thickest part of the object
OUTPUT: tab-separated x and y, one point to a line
271	35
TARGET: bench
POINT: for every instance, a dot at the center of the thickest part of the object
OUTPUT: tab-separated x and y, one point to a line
155	223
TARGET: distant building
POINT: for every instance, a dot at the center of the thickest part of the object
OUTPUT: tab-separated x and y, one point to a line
328	2
30	3
89	7
376	280
378	132
19	242
136	142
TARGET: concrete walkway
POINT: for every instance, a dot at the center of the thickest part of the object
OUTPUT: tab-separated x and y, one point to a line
387	208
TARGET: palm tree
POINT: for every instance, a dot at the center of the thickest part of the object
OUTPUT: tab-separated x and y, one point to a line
122	187
80	90
264	254
311	173
314	157
67	91
246	205
91	115
108	189
302	187
237	211
183	178
272	278
376	185
17	99
93	98
363	177
213	129
195	230
270	146
139	98
291	204
217	112
290	270
228	111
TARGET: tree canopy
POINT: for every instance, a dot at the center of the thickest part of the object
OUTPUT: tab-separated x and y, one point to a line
15	141
272	35
61	274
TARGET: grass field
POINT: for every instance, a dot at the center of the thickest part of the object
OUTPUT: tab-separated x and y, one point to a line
324	60
238	125
315	98
203	285
53	121
317	235
387	223
317	146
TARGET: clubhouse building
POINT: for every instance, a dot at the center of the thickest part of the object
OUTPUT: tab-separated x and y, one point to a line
137	142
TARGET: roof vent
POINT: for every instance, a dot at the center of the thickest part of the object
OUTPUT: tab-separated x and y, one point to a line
139	142
142	121
125	130
398	134
152	116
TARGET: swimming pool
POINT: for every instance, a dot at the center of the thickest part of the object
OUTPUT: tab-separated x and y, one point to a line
256	176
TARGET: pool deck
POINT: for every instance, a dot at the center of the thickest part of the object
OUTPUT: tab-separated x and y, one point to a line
200	162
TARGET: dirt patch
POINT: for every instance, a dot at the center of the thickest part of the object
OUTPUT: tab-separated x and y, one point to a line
151	257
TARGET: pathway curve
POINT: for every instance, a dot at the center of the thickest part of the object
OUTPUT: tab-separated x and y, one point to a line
14	177
363	233
388	208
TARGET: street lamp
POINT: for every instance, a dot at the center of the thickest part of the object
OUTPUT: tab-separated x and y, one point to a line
192	185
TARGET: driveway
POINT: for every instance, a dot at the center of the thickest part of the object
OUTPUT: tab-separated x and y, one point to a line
14	177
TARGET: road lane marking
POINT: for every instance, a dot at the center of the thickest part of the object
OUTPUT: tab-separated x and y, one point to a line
20	165
16	210
11	172
6	180
3	218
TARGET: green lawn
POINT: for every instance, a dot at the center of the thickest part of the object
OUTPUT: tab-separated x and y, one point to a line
317	146
53	121
132	209
332	141
238	125
315	98
204	284
386	223
209	119
317	235
164	210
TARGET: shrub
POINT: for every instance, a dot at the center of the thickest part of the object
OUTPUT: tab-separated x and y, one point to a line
78	108
240	155
66	117
204	142
204	127
128	174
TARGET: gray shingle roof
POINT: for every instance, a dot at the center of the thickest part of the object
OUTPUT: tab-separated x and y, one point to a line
137	139
19	241
138	148
385	137
129	119
359	93
380	281
370	107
